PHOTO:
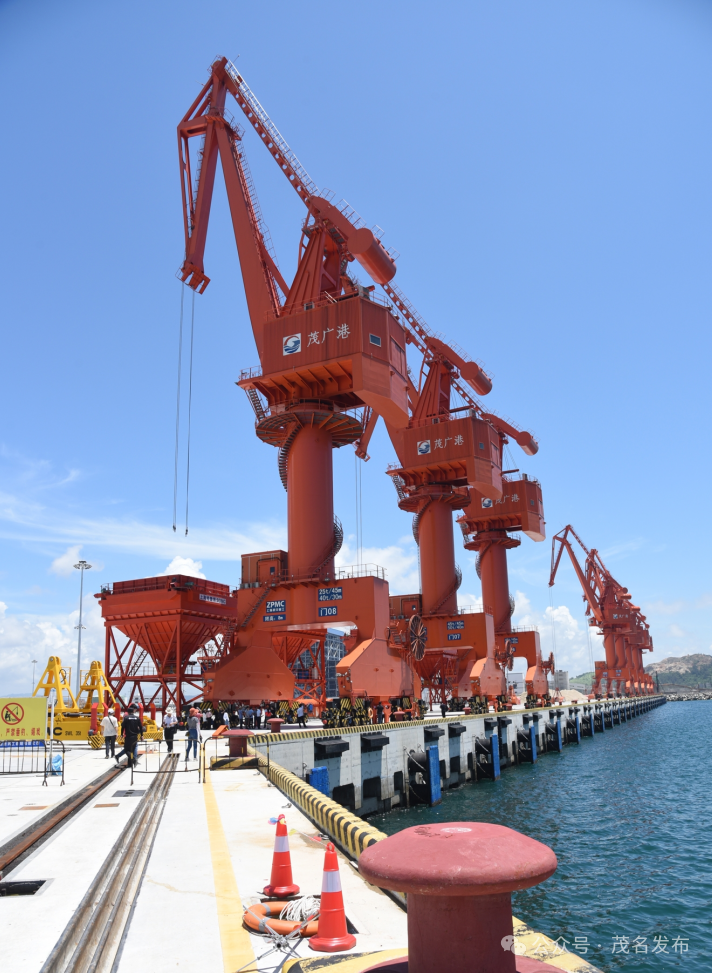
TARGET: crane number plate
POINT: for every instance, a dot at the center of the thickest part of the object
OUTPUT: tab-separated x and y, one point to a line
328	611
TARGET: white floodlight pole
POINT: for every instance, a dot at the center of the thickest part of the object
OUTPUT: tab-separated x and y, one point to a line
81	567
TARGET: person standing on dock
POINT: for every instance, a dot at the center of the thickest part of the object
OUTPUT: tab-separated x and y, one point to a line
170	725
226	718
258	716
109	727
300	716
193	734
132	729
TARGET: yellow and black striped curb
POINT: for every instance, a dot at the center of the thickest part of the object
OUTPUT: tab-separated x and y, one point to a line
353	963
348	830
233	763
536	945
353	835
529	943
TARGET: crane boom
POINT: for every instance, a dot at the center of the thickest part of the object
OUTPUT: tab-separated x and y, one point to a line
303	184
343	217
206	118
589	594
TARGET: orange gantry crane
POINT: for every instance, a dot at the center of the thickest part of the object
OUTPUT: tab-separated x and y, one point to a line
451	459
332	361
626	633
486	526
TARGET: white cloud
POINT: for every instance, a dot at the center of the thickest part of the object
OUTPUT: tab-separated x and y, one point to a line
566	637
30	522
665	607
467	600
522	605
64	564
184	565
26	637
399	560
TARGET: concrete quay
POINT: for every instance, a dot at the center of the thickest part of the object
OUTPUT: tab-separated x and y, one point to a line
209	859
372	769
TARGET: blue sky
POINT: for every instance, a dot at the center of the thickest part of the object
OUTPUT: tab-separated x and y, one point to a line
543	169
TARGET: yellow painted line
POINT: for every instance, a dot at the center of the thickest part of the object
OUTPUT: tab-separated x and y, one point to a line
541	947
234	939
353	963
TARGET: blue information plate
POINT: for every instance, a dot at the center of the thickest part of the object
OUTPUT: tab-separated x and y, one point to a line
274	618
455	626
276	606
331	594
328	612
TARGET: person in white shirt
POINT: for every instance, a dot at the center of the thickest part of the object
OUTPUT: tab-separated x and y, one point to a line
170	726
109	727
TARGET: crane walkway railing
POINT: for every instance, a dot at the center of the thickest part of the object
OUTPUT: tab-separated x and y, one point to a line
269	126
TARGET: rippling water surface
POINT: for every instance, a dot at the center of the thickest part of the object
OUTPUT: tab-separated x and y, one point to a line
628	815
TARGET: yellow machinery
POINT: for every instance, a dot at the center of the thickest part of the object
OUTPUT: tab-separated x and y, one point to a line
73	719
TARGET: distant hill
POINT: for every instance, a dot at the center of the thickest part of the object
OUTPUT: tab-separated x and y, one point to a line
691	671
584	677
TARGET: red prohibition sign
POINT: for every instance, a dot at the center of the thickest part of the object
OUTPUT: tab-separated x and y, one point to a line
12	713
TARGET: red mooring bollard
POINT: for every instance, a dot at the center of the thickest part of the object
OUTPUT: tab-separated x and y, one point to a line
238	741
459	878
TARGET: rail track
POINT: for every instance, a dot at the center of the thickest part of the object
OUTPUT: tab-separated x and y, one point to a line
14	852
91	940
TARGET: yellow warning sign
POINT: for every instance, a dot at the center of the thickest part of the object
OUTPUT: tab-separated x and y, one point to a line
23	719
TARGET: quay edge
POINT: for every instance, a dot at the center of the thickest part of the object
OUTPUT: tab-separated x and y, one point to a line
367	775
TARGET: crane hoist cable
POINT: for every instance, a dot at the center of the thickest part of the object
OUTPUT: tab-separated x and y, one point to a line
359	510
553	620
180	362
190	404
590	647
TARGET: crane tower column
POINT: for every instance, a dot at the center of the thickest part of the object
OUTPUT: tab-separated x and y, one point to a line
310	503
438	576
492	547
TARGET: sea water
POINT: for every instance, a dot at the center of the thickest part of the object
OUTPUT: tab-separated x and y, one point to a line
629	815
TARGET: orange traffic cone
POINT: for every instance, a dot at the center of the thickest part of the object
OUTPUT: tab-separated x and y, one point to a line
332	934
280	882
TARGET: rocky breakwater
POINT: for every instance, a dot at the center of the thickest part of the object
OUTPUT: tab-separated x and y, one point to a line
687	697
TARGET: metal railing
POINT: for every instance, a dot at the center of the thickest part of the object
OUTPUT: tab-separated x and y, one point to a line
32	757
152	759
360	571
271	128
